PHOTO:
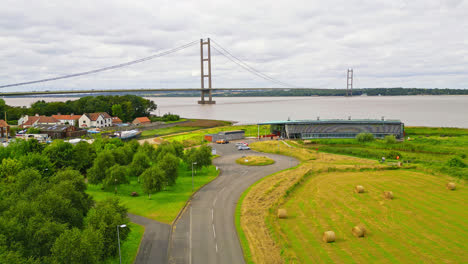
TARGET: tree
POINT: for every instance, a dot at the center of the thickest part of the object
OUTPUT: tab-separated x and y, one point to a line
75	247
153	180
9	168
139	163
201	155
118	111
103	161
83	156
104	219
60	153
169	164
390	139
39	162
116	175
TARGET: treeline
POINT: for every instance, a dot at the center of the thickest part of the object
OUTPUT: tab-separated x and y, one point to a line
126	107
45	214
342	92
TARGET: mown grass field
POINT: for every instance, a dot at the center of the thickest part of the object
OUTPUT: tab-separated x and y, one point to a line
163	206
129	247
255	161
166	131
424	223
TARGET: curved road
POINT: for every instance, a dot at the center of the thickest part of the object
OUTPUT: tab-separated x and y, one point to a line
205	232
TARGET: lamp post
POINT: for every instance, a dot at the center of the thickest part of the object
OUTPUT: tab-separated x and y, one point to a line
118	239
193	163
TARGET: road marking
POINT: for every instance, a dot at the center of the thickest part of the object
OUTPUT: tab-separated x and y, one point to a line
216	246
214	233
212	215
190	237
214	202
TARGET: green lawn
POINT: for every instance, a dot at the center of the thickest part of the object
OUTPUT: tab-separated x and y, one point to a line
255	161
163	206
166	131
129	247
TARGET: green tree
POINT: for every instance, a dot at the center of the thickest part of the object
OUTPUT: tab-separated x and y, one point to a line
60	153
39	162
10	168
117	110
104	160
169	164
83	156
75	247
390	139
153	180
116	175
104	219
139	163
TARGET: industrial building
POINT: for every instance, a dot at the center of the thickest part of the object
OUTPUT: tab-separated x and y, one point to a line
226	135
335	128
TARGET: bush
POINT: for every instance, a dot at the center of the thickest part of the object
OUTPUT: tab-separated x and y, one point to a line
456	162
390	139
365	137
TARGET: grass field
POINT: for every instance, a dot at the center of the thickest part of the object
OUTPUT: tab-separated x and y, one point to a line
425	223
129	247
163	206
166	131
255	161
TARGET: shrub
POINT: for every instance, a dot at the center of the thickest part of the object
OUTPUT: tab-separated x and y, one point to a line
456	162
365	137
390	139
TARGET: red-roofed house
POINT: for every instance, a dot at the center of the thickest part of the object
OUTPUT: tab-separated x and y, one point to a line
101	119
116	120
4	128
141	121
29	121
67	119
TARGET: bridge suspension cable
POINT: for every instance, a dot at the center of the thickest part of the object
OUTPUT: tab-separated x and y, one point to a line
247	67
161	54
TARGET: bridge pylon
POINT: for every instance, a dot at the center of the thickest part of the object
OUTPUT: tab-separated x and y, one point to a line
205	91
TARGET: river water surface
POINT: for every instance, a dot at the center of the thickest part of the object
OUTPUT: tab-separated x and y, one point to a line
445	111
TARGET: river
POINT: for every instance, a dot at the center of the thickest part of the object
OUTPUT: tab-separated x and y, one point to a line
443	111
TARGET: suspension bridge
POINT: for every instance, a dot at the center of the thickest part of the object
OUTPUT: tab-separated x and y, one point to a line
206	46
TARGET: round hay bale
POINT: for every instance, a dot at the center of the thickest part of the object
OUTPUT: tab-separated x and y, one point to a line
359	189
359	231
451	186
282	213
328	236
388	195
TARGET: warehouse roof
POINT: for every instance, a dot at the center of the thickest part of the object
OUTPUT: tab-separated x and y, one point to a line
332	121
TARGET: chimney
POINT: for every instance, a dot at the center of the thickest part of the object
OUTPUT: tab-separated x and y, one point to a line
71	114
318	117
383	118
59	113
349	117
36	114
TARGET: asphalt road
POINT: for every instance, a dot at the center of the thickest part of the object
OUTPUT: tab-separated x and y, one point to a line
154	244
205	233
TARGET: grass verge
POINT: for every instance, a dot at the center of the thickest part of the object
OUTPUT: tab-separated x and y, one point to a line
255	161
163	206
129	247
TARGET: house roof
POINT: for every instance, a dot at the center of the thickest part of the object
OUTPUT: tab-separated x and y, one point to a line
46	119
95	116
142	119
53	128
31	120
116	119
66	117
3	123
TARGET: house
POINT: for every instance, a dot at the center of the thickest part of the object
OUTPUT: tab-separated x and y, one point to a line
61	131
4	129
29	121
67	119
141	121
101	119
116	120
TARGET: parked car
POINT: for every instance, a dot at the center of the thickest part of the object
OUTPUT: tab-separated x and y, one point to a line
222	141
244	147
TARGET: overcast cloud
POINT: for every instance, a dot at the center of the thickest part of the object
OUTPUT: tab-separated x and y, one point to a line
391	43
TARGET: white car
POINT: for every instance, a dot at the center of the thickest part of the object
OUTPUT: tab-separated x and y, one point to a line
243	147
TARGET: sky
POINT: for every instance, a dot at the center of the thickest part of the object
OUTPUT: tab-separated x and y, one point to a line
391	43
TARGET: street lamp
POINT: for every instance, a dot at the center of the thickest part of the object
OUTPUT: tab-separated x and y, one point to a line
118	239
193	163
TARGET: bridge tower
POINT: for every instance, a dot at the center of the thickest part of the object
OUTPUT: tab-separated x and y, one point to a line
349	83
205	91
